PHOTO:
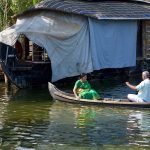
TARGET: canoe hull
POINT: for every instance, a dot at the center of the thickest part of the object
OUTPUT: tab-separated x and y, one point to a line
70	98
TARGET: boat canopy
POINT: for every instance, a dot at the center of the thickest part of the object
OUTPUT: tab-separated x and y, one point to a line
77	44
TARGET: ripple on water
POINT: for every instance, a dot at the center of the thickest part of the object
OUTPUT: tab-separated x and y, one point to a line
30	120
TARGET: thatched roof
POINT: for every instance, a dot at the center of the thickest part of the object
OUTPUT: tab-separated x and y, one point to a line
108	9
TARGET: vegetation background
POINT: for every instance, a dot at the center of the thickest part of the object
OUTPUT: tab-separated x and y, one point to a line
10	8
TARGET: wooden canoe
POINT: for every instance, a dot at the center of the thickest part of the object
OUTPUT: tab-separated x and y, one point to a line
70	98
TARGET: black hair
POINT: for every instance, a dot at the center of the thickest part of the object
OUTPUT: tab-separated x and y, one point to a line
82	75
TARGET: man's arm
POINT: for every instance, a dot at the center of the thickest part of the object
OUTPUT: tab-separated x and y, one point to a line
131	86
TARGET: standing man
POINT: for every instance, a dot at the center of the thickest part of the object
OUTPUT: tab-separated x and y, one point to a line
143	89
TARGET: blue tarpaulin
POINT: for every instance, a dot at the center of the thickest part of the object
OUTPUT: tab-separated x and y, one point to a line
113	43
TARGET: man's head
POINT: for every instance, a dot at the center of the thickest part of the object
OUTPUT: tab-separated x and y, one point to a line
145	75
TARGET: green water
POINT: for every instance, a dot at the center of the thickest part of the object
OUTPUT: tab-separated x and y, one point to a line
31	120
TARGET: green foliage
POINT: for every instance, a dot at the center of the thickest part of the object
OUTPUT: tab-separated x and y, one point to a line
4	11
9	8
19	6
36	1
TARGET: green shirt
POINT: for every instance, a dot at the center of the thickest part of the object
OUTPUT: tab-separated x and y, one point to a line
82	85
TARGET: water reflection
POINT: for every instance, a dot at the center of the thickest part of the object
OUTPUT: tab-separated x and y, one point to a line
29	119
25	119
139	128
87	126
84	116
5	95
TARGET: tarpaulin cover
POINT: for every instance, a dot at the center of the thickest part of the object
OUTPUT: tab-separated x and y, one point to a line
76	44
64	36
113	43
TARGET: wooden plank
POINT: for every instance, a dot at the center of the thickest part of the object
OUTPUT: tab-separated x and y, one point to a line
146	39
21	68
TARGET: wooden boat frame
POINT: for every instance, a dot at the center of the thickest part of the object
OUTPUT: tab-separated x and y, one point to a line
70	98
22	72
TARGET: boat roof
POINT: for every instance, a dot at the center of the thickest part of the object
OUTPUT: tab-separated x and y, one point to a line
144	1
100	9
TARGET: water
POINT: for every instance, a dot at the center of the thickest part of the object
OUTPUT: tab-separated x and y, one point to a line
30	120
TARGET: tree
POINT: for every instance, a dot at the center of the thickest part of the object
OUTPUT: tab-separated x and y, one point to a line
9	8
4	13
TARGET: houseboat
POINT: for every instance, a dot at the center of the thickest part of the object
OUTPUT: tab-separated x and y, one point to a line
57	39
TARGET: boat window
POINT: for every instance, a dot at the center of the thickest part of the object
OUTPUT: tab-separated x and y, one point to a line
30	51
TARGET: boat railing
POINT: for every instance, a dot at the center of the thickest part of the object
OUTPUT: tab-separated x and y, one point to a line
7	55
